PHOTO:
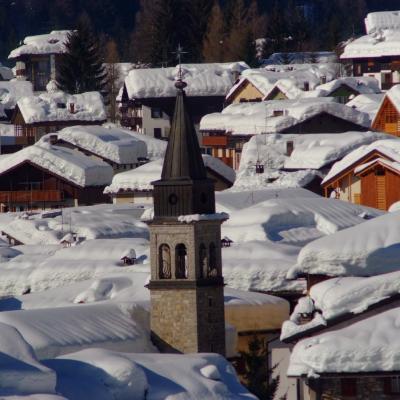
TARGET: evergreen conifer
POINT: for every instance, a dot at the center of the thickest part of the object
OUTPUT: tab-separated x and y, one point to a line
81	68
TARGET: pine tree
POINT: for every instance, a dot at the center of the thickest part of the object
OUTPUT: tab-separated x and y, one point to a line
258	376
81	68
213	43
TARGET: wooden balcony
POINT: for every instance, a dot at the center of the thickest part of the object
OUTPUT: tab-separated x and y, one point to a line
215	141
30	196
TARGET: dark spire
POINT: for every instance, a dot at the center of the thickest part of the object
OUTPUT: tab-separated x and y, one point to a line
183	160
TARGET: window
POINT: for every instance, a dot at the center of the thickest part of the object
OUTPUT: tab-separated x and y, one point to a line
391	385
203	260
156	112
212	265
181	268
157	133
164	262
349	387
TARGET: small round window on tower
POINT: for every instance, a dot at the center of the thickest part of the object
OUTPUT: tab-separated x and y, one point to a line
173	199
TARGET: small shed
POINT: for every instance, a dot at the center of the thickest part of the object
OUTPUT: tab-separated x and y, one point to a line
129	257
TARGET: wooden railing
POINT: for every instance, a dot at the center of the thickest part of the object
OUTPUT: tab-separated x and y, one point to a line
30	196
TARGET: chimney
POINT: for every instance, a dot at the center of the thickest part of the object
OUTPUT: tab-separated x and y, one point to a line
53	139
323	79
306	86
289	147
72	108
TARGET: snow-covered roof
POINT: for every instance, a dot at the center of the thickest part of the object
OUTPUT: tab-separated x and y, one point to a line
12	91
258	117
202	79
68	164
141	178
370	345
393	94
108	143
394	166
300	58
51	43
360	84
376	21
388	146
370	248
56	106
384	43
290	81
367	103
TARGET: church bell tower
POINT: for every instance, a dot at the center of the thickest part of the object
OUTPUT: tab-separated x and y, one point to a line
186	286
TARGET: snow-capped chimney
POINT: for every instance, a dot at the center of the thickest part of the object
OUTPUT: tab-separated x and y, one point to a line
306	86
323	79
53	139
72	108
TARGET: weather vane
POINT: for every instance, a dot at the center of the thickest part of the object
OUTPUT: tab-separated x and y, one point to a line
179	51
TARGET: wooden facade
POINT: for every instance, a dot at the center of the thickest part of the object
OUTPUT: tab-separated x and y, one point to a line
245	92
30	133
27	186
387	118
377	186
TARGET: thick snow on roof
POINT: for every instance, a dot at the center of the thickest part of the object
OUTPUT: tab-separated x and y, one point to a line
340	296
112	375
370	345
109	143
20	371
300	58
379	43
276	230
382	20
258	117
393	94
91	222
72	328
361	84
141	178
68	164
52	43
12	91
290	81
368	249
55	106
367	103
202	79
387	145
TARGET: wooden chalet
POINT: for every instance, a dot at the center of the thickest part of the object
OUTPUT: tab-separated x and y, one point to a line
387	118
34	179
372	180
38	58
55	111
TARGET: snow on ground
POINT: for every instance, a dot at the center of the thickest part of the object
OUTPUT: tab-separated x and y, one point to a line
112	144
268	237
277	115
60	106
366	346
108	375
367	103
51	43
202	79
141	178
370	248
73	166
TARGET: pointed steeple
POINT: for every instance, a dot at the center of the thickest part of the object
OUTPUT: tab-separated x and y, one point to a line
183	160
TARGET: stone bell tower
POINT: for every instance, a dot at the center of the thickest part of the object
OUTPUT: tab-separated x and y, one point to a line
186	286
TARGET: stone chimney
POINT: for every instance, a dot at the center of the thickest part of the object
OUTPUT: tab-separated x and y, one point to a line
72	108
53	139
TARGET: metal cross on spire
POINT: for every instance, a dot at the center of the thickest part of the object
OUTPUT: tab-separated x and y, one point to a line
179	51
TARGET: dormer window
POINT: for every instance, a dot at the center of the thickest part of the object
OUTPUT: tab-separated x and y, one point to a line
53	41
277	113
61	105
